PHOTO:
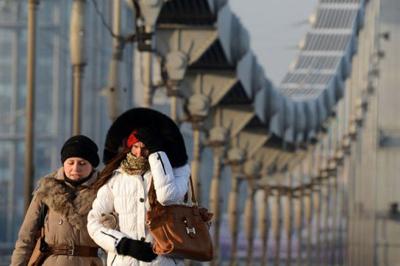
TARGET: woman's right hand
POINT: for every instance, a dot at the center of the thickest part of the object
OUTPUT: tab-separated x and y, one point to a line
137	249
109	220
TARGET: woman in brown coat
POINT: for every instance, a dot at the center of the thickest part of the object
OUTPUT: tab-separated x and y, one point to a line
68	194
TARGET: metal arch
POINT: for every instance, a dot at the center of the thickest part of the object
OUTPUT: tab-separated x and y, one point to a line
263	89
234	38
217	49
196	12
260	103
273	103
193	42
318	73
300	123
322	110
289	119
339	86
253	137
217	4
233	117
225	26
208	42
240	48
276	123
312	123
329	98
282	120
213	84
245	72
260	81
224	87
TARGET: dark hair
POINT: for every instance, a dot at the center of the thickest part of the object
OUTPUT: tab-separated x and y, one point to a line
109	168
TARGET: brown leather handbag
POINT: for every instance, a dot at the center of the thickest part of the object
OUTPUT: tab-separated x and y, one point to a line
180	231
40	252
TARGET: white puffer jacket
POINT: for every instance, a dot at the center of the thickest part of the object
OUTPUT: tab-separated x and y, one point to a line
127	195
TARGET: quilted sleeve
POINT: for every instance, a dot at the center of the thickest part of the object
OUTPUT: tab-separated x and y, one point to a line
171	184
106	238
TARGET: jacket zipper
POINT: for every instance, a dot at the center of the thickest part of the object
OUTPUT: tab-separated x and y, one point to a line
162	163
109	235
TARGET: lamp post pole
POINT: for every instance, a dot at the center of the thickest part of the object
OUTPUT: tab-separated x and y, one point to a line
234	215
215	200
78	61
30	101
263	224
276	224
113	89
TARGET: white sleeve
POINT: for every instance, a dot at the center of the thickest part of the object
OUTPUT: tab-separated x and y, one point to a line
104	237
170	184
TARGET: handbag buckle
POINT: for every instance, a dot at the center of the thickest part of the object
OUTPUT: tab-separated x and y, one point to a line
190	230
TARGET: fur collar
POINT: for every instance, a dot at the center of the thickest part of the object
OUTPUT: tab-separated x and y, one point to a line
72	203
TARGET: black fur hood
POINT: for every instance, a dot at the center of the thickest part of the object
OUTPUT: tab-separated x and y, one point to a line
135	118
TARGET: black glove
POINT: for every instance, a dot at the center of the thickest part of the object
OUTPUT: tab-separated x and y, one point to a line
150	139
137	249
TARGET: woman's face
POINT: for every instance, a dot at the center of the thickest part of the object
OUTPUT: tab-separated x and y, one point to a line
75	168
139	150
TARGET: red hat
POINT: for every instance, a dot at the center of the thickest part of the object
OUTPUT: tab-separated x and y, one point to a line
131	139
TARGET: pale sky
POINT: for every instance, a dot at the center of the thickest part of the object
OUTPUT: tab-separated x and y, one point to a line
276	27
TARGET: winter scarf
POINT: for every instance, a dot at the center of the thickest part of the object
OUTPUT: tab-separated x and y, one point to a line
135	165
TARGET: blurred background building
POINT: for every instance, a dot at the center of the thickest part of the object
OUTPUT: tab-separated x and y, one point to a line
53	94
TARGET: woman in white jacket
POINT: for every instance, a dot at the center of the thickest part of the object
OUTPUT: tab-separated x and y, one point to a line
124	190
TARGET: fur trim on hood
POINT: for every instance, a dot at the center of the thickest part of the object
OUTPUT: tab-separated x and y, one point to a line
72	203
165	128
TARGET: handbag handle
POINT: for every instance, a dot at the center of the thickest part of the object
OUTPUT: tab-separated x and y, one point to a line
153	195
42	217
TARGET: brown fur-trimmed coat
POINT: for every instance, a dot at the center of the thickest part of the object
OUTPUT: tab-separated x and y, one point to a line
65	222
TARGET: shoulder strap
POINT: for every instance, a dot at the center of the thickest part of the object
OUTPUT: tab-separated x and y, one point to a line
42	214
192	191
153	195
